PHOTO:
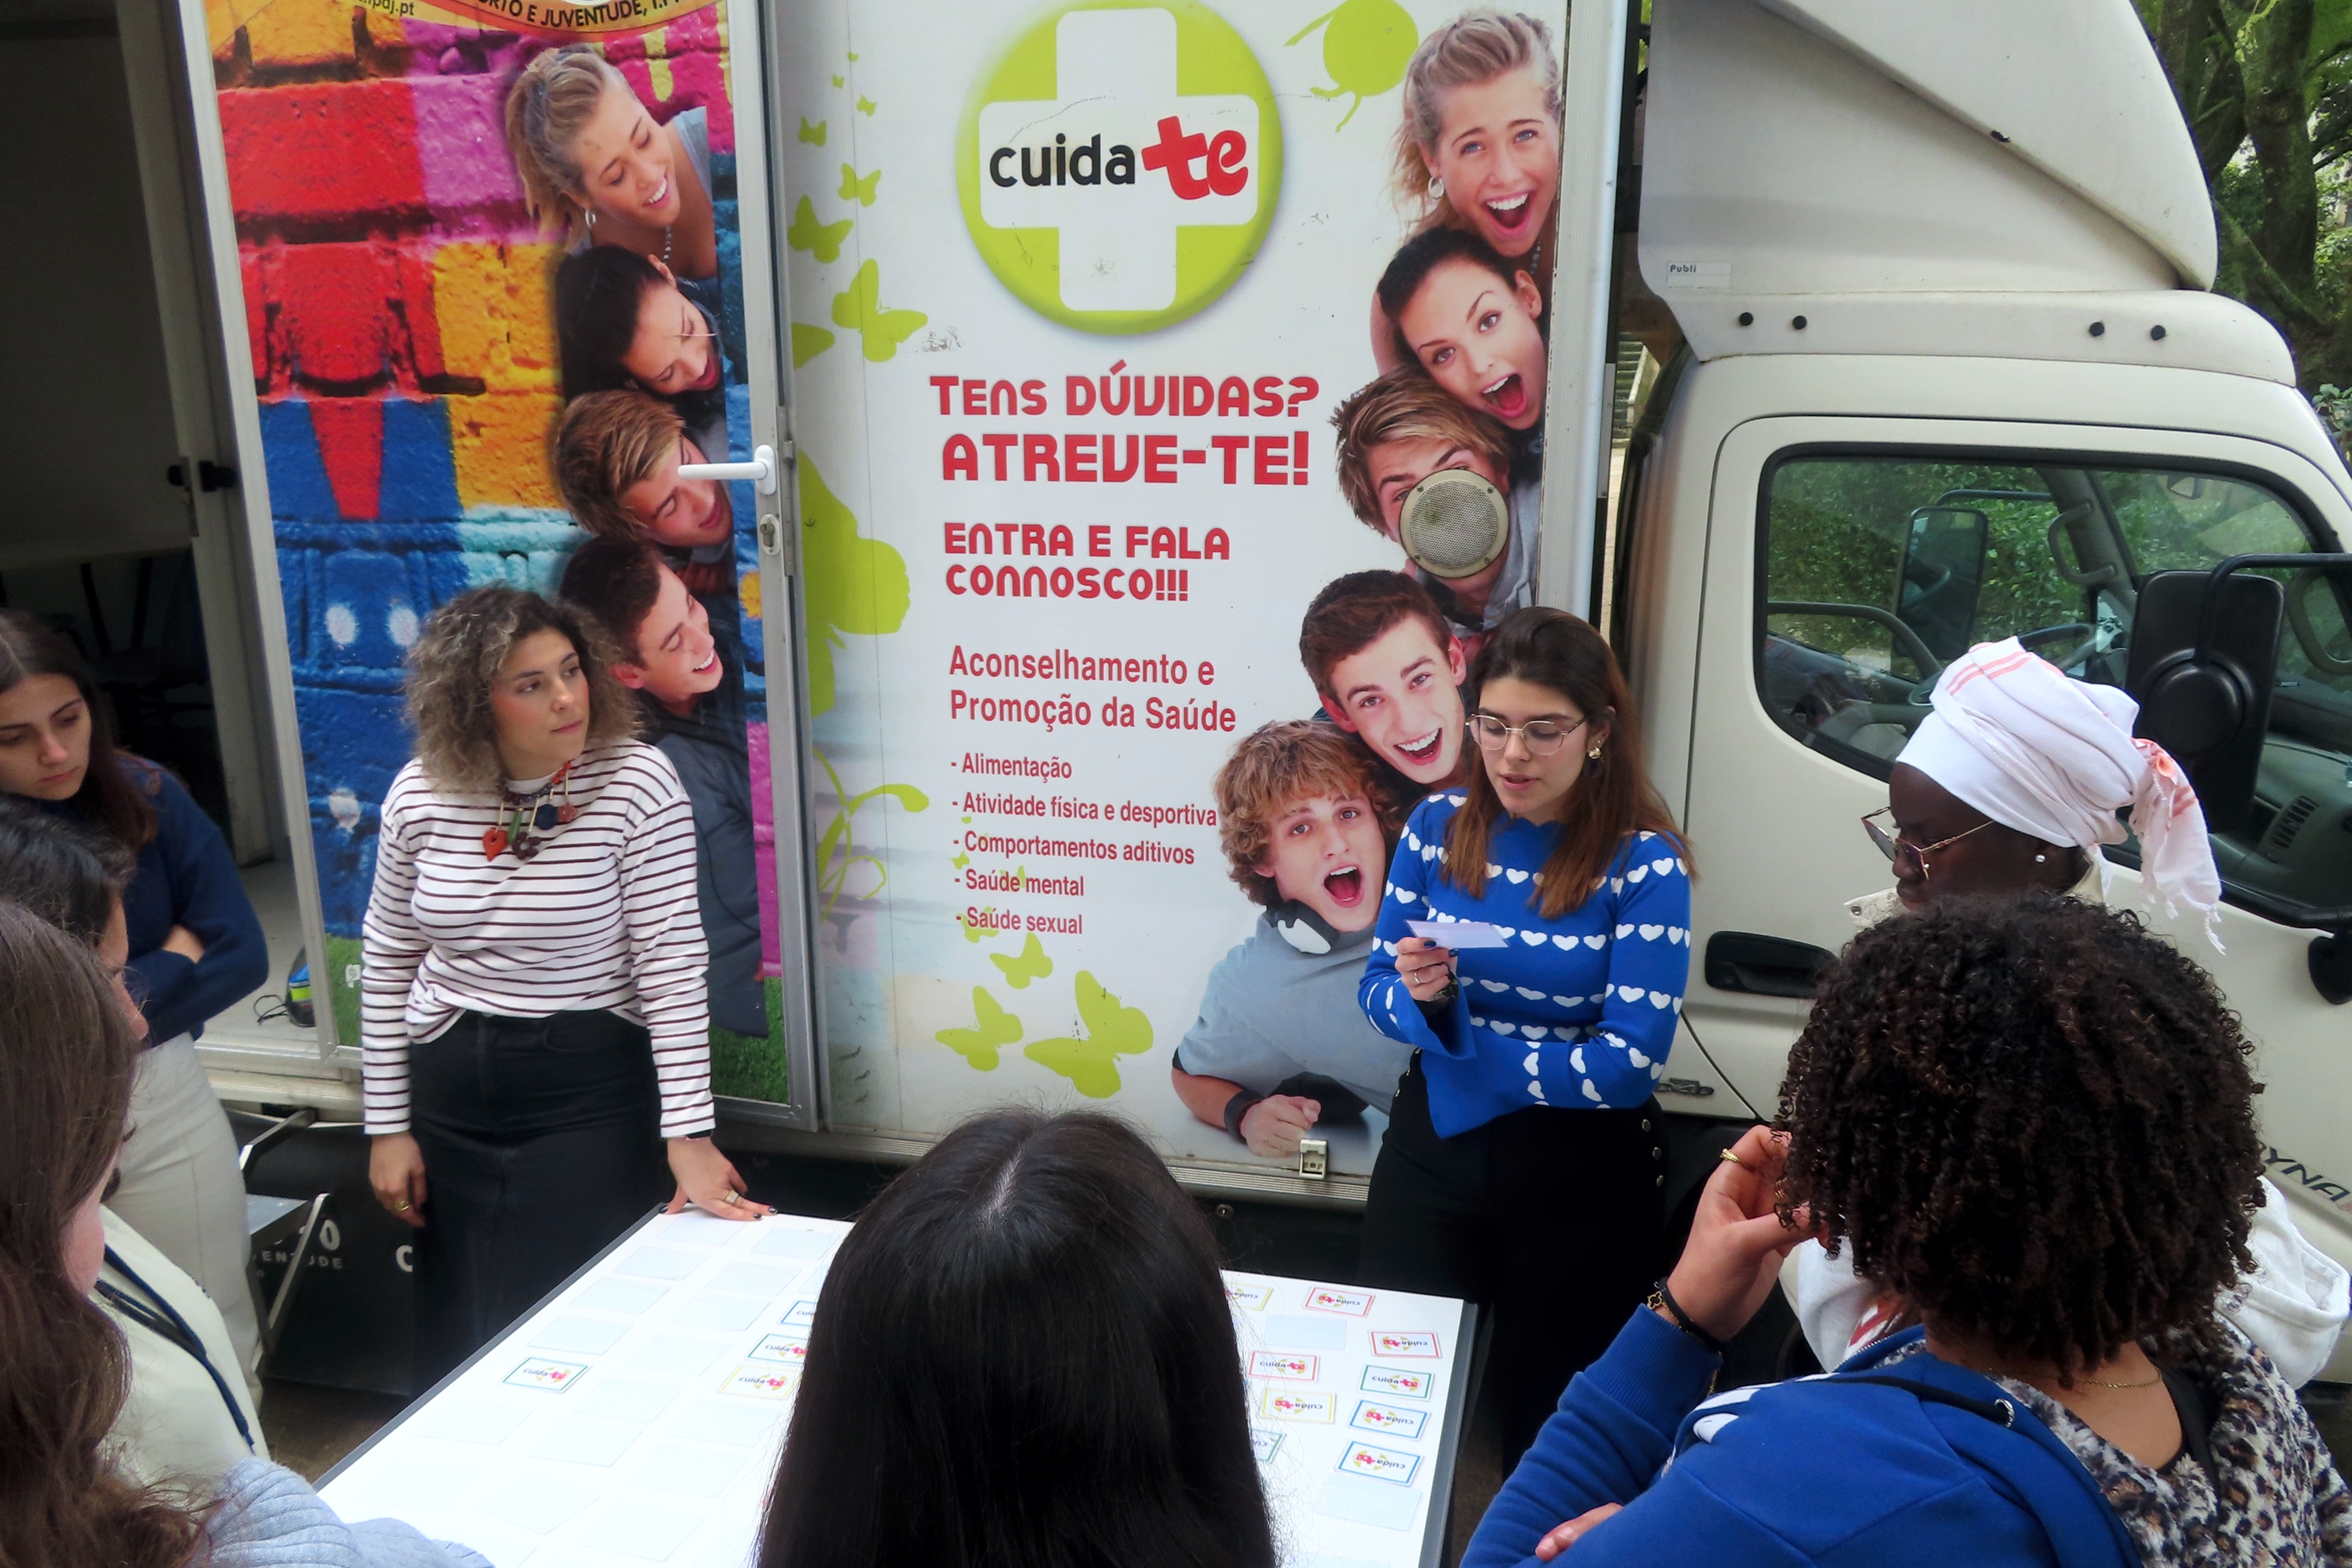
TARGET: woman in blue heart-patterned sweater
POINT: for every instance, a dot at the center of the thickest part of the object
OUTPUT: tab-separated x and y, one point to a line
1523	1165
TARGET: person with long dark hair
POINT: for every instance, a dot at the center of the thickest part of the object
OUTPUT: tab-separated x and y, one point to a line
1525	1160
194	947
189	1417
2032	1122
1023	1354
66	1078
534	1026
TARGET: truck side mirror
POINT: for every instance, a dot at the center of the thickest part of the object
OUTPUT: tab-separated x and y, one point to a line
2204	659
1942	574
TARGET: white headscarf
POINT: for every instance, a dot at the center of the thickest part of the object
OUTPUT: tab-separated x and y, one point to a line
2054	759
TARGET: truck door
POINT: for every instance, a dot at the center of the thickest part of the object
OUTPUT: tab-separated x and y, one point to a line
1849	559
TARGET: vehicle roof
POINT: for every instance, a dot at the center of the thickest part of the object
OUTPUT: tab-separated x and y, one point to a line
1895	147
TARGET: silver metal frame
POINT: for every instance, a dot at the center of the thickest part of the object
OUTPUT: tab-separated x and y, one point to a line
767	307
1582	375
252	494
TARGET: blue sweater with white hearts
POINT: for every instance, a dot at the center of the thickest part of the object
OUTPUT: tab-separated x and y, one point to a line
1575	1012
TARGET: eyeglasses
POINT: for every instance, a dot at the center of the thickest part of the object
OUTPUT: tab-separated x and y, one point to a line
1544	737
1909	858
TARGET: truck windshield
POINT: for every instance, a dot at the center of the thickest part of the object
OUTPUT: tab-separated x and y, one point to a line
1876	570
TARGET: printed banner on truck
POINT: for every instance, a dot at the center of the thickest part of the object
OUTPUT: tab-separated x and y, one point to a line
1168	387
494	289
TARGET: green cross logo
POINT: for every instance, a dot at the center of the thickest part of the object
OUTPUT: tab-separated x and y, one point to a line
1118	165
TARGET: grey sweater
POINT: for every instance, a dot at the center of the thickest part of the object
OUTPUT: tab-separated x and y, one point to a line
268	1517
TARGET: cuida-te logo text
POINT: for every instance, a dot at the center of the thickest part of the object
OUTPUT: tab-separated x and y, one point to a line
1098	193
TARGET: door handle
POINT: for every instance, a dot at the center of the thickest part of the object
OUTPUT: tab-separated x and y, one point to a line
1764	965
760	470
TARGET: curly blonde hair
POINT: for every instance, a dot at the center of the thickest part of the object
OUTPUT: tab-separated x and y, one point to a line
460	652
1279	763
550	104
1470	49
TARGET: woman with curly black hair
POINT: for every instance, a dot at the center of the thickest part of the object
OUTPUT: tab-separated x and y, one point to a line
2033	1124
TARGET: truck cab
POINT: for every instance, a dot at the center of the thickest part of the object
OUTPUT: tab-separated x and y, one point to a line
1952	373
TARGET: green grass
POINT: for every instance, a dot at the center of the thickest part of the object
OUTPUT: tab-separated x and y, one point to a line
750	1068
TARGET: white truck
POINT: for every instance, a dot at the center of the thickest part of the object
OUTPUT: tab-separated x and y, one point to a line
1953	375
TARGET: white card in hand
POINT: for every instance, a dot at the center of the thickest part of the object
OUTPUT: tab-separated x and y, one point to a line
1459	934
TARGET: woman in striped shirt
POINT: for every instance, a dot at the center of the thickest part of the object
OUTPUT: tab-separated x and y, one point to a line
534	1024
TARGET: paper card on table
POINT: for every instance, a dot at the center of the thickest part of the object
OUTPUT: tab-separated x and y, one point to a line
1379	1464
586	1336
659	1263
787	1241
800	1315
755	1279
651	1534
1362	1500
619	1400
626	1298
697	1472
738	1424
762	1380
1265	1444
586	1442
1293	1331
1388	1419
701	1230
711	1311
792	1348
1402	1381
1405	1343
476	1422
548	1377
676	1357
1254	1296
539	1507
1297	1404
1459	935
1330	1299
1285	1365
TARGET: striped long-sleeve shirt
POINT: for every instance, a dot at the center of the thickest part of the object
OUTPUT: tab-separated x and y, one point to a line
604	916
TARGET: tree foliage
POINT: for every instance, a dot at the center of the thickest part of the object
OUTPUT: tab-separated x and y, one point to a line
2266	86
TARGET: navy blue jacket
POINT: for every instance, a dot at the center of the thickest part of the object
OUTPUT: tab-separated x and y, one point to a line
186	876
1830	1470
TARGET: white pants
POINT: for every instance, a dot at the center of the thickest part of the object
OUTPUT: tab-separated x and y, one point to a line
180	1188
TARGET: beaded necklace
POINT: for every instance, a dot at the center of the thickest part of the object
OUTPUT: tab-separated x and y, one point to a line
527	818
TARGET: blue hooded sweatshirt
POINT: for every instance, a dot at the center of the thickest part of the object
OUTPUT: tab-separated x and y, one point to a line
1835	1470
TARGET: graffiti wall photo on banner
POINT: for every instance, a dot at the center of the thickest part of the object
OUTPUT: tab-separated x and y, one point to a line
1169	386
493	283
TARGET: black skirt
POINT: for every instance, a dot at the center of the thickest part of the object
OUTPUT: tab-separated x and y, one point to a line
542	1142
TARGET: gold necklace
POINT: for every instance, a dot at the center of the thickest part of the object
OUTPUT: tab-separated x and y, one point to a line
2094	1382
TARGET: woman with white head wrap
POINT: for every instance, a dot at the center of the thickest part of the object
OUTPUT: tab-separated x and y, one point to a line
2013	782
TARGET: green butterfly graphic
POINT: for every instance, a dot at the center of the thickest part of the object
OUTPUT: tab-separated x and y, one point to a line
808	343
1030	964
859	308
854	189
824	239
812	134
1112	1030
993	1026
856	586
866	106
